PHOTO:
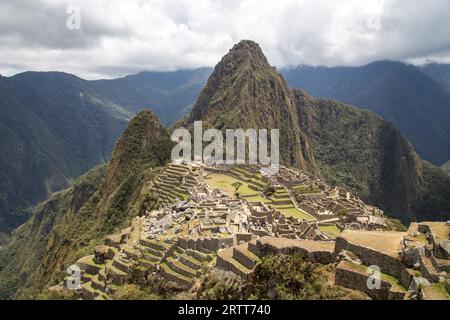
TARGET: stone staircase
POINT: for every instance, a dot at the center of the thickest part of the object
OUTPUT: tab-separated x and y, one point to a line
183	266
240	260
99	280
92	287
243	259
174	182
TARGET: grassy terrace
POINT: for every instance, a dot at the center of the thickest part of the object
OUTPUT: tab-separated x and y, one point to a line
332	231
224	182
362	269
306	189
387	242
89	260
441	231
436	291
294	212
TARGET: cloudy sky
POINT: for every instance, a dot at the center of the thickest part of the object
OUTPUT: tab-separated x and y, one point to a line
117	37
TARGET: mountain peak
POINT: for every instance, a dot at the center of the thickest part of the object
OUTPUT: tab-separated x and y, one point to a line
145	140
244	91
245	53
247	47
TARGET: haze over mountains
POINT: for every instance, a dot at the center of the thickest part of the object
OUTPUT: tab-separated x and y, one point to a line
53	128
439	72
402	94
56	126
169	94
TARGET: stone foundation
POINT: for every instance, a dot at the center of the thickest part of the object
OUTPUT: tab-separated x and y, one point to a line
387	263
315	251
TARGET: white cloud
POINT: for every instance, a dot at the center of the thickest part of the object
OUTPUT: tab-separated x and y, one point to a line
119	37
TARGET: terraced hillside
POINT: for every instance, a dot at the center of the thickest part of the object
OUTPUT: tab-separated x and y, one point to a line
230	232
173	184
124	259
252	188
195	231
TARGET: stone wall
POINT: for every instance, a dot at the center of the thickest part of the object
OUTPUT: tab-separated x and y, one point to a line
355	280
227	265
387	264
212	244
315	251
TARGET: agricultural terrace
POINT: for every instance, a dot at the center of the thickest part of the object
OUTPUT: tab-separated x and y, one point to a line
251	189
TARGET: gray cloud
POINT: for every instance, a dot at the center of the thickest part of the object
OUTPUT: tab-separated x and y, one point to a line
119	37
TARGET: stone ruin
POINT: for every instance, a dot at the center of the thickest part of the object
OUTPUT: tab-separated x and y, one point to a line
197	229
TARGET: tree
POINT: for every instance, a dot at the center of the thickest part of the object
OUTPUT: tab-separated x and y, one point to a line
342	213
236	185
268	190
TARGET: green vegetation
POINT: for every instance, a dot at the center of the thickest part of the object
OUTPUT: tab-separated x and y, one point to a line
281	277
305	189
52	129
358	150
435	202
395	98
294	212
236	185
72	222
245	83
446	166
57	295
342	213
268	190
56	126
349	147
436	291
26	253
133	292
332	231
395	225
384	277
225	183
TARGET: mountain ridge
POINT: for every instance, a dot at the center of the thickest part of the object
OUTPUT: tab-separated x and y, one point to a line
400	93
56	126
76	219
241	92
244	91
51	133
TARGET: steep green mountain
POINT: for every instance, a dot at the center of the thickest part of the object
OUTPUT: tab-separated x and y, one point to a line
446	166
439	73
72	221
244	91
401	94
56	126
359	150
21	259
348	146
52	129
169	94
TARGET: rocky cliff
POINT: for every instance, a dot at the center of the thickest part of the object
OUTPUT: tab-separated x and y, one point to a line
244	91
75	220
